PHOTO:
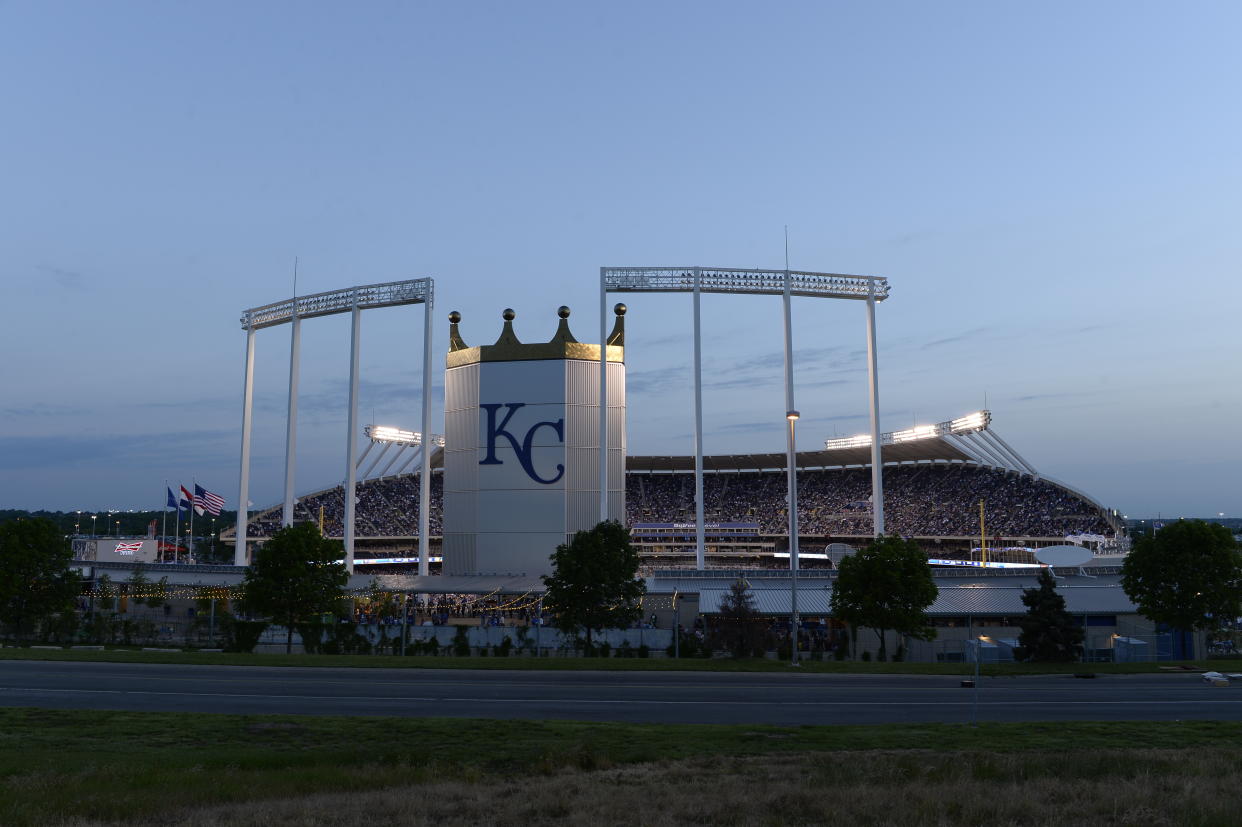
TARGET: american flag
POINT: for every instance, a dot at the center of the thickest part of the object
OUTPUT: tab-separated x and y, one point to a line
209	502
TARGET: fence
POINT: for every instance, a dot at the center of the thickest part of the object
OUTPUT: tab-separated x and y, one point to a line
154	628
522	639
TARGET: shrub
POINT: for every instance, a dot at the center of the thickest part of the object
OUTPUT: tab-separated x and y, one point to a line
644	651
242	635
312	635
866	656
461	642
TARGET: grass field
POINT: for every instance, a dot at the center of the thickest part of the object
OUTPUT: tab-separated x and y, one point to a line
85	767
616	664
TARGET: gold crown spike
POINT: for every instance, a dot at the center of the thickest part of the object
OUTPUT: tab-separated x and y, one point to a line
562	329
455	340
507	337
617	337
508	348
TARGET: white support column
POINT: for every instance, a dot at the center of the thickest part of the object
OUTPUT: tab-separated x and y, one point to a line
291	429
699	530
243	492
424	479
791	460
873	382
351	439
791	415
414	457
1022	463
603	398
378	459
384	471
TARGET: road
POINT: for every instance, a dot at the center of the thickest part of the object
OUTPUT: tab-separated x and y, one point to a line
657	697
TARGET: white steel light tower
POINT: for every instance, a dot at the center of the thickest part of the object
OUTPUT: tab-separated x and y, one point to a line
785	283
352	300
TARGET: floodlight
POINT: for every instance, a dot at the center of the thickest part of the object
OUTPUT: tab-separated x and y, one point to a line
860	441
918	432
970	422
386	433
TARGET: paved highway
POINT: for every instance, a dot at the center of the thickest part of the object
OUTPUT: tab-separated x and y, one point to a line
660	697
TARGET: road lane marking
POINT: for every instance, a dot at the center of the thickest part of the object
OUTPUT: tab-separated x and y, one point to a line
600	701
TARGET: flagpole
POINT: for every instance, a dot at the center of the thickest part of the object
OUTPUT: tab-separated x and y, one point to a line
163	523
177	528
190	545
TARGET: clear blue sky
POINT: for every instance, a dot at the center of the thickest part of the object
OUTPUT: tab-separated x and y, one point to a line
1051	188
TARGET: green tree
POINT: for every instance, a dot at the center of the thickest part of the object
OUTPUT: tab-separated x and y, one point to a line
1188	575
887	585
143	591
1048	630
384	606
297	574
105	594
738	628
594	582
35	580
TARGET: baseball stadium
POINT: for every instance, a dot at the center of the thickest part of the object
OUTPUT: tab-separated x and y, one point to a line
934	480
464	523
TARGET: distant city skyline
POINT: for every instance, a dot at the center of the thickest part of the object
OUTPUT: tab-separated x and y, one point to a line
1052	192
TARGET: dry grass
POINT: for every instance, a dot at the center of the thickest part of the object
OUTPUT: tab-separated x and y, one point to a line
909	787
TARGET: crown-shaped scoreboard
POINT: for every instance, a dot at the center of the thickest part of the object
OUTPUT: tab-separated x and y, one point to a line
522	446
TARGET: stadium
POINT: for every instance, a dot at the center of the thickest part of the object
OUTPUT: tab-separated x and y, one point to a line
464	524
934	480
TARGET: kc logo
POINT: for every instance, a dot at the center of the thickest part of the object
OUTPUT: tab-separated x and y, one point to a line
522	449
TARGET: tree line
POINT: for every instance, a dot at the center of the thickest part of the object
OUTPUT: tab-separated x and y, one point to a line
1187	576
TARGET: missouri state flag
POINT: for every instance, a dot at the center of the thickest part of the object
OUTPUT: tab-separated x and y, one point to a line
187	499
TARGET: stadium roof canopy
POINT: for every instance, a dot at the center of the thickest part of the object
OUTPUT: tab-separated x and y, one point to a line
929	451
967	439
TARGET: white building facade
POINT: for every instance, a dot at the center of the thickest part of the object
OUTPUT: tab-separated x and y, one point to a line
521	457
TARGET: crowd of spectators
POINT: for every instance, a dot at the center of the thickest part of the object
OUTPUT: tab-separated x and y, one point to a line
919	501
386	508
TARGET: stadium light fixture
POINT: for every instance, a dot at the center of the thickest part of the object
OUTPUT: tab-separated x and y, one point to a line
977	421
366	297
350	300
971	422
792	415
739	281
385	433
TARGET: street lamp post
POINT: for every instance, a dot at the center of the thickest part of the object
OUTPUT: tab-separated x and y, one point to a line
792	416
93	516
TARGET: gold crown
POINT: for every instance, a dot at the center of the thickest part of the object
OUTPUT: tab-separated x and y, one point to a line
509	349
